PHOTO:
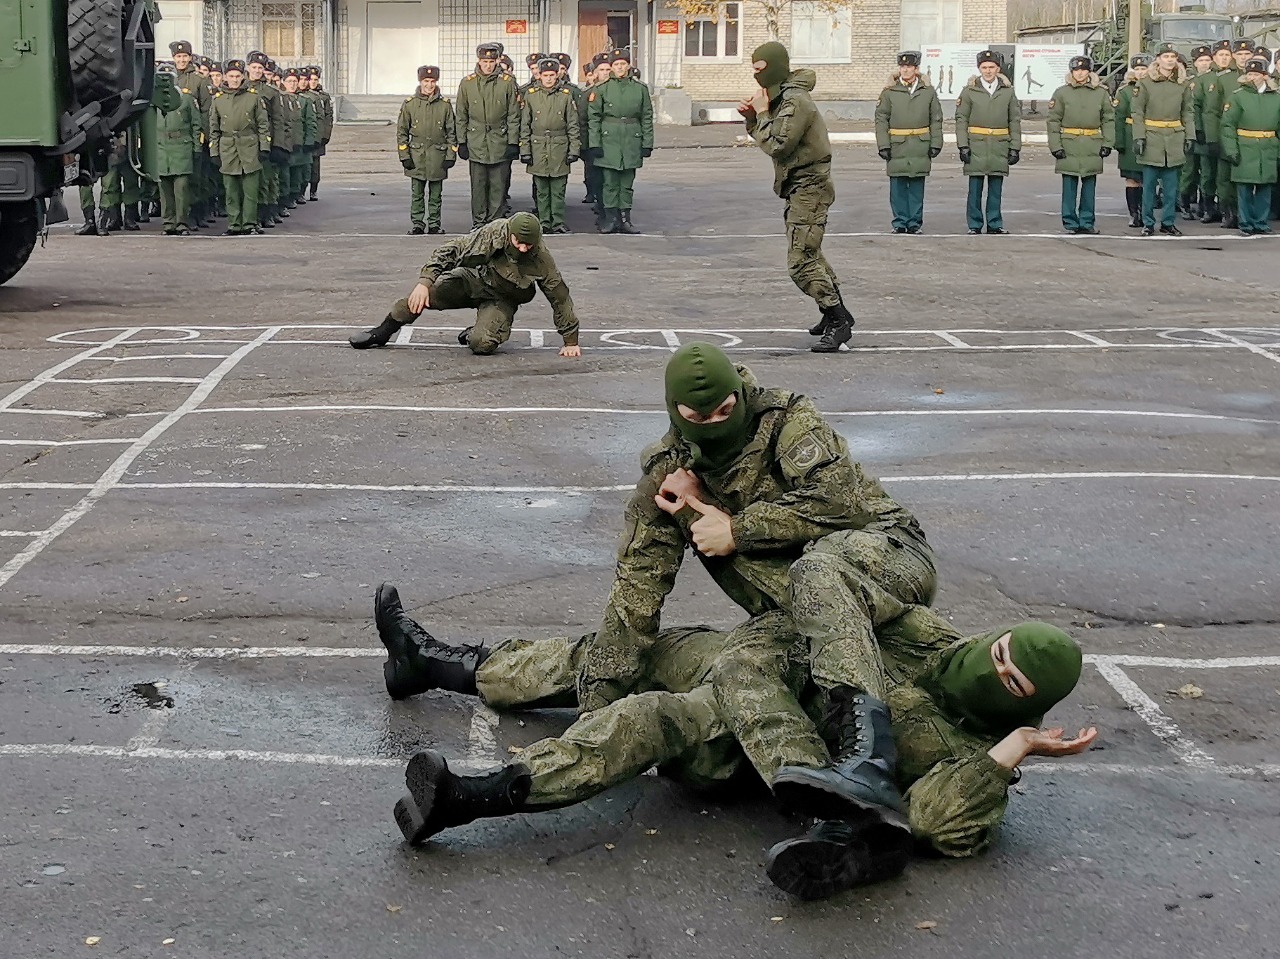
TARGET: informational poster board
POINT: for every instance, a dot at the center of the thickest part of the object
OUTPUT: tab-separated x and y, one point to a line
1040	68
948	66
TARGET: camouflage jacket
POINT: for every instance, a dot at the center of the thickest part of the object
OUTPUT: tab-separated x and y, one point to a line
489	252
793	483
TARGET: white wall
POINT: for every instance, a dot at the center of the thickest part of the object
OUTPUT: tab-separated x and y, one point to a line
180	20
376	65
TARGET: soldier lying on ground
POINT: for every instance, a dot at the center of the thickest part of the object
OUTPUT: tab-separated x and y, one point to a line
492	270
966	711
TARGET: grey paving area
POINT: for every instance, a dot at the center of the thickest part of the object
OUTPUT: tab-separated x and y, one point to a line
200	486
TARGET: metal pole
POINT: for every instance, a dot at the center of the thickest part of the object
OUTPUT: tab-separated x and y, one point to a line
1135	28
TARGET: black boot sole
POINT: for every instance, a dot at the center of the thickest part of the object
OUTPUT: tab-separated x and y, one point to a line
812	869
413	810
807	791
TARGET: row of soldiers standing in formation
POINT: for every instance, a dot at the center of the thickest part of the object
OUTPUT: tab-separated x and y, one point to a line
548	124
243	140
1203	142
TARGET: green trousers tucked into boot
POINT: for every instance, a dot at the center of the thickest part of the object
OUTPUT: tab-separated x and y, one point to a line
549	197
618	188
1223	188
175	202
465	288
425	202
241	191
120	185
488	184
314	179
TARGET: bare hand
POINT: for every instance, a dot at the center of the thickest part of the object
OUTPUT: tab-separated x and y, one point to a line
760	102
1049	742
713	532
420	298
745	108
679	485
573	351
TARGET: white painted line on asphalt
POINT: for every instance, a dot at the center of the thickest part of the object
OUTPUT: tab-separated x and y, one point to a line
778	348
19	533
952	339
537	339
116	471
52	372
185	380
159	356
482	744
1156	718
363	652
1251	347
152	726
77	414
47	486
1090	338
127	439
404	335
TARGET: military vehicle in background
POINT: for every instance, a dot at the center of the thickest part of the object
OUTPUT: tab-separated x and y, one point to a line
74	72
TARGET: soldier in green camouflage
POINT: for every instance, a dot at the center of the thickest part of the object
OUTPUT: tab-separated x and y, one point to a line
966	713
494	270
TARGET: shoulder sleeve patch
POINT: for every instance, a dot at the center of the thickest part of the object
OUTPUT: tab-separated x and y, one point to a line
808	451
1051	103
592	96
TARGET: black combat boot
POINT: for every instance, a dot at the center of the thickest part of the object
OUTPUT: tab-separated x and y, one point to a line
1230	221
275	214
144	212
1190	211
1212	214
380	335
625	225
608	221
439	798
859	786
821	327
417	661
90	227
416	230
831	316
1170	230
110	219
838	332
153	209
1133	199
464	338
835	856
131	217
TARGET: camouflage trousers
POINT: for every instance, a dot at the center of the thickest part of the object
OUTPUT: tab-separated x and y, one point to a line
806	221
673	721
844	586
463	288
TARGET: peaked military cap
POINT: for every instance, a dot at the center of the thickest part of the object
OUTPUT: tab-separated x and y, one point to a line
1081	63
257	56
1257	65
548	63
990	56
1141	60
234	65
1222	45
1201	51
909	58
1242	44
180	46
617	55
428	73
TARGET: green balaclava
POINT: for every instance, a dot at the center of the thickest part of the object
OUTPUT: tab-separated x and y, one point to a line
777	66
525	228
972	689
701	377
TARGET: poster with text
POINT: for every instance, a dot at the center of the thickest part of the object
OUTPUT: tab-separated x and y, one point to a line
948	66
1040	68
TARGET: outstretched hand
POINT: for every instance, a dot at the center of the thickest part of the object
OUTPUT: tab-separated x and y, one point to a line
1049	742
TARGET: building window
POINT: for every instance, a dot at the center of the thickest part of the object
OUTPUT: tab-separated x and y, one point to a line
290	29
929	22
707	39
820	35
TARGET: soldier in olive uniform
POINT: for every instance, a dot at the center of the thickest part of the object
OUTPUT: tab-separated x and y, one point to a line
427	142
488	120
783	119
550	141
325	118
121	191
180	129
909	138
269	212
1127	160
593	176
1250	123
1081	135
620	124
1163	134
493	270
197	85
1207	99
1190	201
989	138
304	137
240	140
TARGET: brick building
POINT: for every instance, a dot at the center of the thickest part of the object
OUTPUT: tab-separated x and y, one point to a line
370	48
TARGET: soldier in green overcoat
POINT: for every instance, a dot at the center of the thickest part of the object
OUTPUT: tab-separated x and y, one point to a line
1207	99
325	118
191	81
580	101
1190	201
240	140
620	130
269	181
1130	170
304	137
427	143
908	138
1250	122
550	141
1082	133
1164	132
488	121
598	72
180	131
989	138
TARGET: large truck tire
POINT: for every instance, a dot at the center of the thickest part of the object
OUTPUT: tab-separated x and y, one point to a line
95	39
19	228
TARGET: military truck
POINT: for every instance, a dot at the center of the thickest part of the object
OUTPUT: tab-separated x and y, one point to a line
73	73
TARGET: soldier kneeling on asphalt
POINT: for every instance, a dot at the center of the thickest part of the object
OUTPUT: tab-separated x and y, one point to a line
492	270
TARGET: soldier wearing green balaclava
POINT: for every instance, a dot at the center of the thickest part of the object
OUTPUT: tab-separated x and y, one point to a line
494	270
784	121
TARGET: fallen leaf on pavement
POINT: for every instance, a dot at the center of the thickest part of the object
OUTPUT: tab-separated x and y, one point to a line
927	924
93	940
391	908
1189	691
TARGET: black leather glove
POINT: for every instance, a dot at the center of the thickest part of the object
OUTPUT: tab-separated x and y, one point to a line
965	154
1058	154
513	151
526	158
1200	137
264	155
573	158
279	156
1013	157
1139	147
933	152
1104	152
647	152
463	152
1188	146
406	161
1232	158
885	152
595	152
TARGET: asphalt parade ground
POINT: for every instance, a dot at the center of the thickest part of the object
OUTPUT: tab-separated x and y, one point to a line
201	485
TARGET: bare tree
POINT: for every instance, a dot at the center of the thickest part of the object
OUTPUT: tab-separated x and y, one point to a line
772	10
